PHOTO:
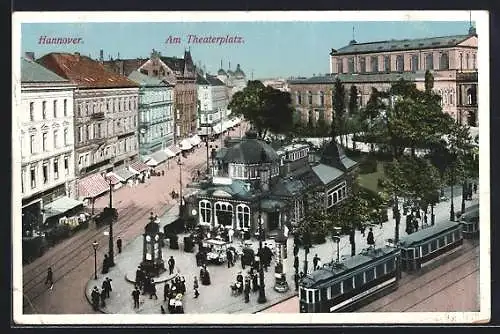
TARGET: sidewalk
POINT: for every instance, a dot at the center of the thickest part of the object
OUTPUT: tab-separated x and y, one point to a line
216	298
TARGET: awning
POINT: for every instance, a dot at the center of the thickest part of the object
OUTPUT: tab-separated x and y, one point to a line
217	128
115	179
174	149
92	186
226	125
195	140
123	173
185	145
138	167
169	153
60	205
157	158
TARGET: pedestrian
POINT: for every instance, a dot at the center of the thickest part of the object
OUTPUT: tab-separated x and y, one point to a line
166	291
119	244
135	296
296	279
296	263
195	283
196	293
105	264
105	288
370	240
295	249
162	310
103	298
153	290
318	264
230	234
50	278
95	298
171	265
475	187
229	256
246	290
255	284
315	261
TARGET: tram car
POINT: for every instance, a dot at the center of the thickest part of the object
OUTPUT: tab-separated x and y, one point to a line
419	248
470	222
345	286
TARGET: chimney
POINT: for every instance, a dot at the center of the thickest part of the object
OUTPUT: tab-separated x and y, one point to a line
29	56
101	55
77	55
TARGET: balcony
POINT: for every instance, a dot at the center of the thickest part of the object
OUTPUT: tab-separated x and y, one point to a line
97	116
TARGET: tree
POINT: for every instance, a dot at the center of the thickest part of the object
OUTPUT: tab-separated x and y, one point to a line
266	108
372	111
338	108
429	82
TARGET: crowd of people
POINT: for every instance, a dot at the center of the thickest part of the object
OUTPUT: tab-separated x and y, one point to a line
99	297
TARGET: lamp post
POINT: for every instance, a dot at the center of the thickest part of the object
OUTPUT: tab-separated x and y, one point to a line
207	146
336	239
262	292
94	245
111	220
179	162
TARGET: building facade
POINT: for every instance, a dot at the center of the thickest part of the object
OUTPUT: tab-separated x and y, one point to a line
46	140
451	59
156	128
213	102
105	119
181	73
235	81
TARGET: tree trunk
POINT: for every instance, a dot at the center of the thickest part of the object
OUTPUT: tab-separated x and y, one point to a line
352	240
397	218
452	207
464	190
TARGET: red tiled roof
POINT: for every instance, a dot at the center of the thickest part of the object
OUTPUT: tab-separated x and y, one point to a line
83	71
139	166
113	178
124	66
92	186
175	149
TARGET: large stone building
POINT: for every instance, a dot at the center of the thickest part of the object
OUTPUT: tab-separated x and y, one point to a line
251	178
156	127
451	59
105	119
213	99
235	80
181	73
45	121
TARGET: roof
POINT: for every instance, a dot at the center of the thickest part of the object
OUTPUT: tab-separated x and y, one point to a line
209	80
288	187
83	71
124	66
92	186
321	277
334	156
221	72
237	189
355	78
426	233
145	80
176	64
250	150
327	173
123	172
34	72
61	205
400	45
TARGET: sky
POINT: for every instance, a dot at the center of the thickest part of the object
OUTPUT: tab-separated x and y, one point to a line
267	49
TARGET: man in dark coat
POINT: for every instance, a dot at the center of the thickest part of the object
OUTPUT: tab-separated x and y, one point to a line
255	283
105	264
135	296
50	278
295	249
296	264
95	298
315	261
247	291
103	298
268	255
296	279
119	244
171	265
166	291
229	256
105	288
370	239
152	290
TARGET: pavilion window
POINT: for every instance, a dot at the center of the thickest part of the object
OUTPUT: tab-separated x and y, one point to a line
309	98
414	63
33	177
243	216
299	98
374	61
387	63
467	61
362	65
350	65
340	65
429	61
444	62
32	111
205	212
400	65
321	99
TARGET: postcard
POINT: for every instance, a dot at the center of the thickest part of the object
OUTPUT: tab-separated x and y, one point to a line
251	167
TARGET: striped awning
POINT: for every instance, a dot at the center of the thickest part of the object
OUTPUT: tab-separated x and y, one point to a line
157	158
185	145
92	186
60	205
115	179
138	167
123	173
174	149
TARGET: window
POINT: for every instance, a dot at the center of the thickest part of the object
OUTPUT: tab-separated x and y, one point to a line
370	275
359	280
429	61
242	216
55	108
467	61
441	242
299	98
33	176
379	270
44	141
32	144
400	63
389	266
316	296
310	296
414	63
224	213
65	107
56	139
321	99
444	63
80	134
450	238
32	111
309	98
474	67
337	194
335	290
340	65
433	245
99	130
347	284
350	65
44	110
65	137
374	61
45	172
387	63
88	132
324	294
425	249
362	64
456	235
56	168
461	60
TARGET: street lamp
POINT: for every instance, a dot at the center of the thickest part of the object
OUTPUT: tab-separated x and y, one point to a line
111	220
94	245
207	146
336	239
180	163
262	292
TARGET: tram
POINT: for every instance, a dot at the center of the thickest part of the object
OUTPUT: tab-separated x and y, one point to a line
470	222
344	286
419	248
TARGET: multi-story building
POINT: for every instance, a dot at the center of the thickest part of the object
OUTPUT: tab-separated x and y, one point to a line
234	80
181	73
46	141
105	121
213	100
451	59
156	128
